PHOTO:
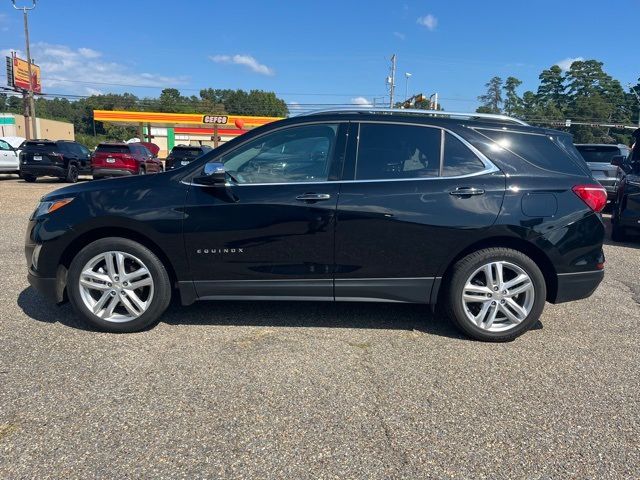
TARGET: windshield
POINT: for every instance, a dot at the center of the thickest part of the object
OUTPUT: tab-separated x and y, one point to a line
602	154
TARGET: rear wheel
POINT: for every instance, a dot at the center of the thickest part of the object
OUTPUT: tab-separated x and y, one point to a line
118	285
29	178
495	294
72	174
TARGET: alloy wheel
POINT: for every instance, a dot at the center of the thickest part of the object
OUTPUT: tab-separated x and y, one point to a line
116	286
498	296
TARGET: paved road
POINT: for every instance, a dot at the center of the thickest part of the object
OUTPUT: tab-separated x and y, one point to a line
314	390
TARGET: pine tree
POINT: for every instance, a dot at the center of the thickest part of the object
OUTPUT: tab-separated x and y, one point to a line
492	100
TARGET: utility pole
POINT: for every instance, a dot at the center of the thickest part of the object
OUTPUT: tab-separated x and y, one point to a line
638	99
32	104
392	85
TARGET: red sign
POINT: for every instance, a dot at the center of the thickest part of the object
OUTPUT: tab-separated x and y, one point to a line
21	75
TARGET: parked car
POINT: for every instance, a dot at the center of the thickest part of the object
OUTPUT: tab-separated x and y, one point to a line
123	159
10	154
625	217
598	157
182	155
483	214
64	159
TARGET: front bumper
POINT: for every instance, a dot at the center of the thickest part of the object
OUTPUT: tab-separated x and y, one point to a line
576	286
51	288
111	172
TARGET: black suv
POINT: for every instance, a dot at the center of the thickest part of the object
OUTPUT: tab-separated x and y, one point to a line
64	159
625	217
182	155
483	214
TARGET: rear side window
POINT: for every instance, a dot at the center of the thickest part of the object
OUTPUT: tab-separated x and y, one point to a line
458	159
113	148
388	151
542	151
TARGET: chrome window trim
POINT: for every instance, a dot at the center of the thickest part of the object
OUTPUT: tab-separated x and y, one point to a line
489	166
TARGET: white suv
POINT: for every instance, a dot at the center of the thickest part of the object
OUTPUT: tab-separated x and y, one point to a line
10	154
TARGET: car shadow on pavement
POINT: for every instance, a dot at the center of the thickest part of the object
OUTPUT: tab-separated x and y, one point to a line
38	308
391	316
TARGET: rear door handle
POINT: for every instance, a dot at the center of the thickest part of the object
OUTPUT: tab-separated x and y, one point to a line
313	197
466	191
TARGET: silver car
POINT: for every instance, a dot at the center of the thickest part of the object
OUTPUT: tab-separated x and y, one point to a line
598	157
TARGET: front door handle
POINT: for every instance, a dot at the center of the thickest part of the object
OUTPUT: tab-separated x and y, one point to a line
313	197
466	191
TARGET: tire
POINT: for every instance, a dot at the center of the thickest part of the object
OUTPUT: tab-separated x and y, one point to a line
141	171
468	274
29	178
156	295
618	234
97	177
72	174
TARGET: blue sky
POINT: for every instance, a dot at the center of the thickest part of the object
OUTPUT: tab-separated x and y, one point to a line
316	52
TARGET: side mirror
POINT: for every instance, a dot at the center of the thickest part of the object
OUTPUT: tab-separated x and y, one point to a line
213	174
618	161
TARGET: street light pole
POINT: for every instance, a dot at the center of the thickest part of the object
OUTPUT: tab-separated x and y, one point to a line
32	104
407	76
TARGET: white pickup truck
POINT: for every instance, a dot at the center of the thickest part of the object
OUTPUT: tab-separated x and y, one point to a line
10	154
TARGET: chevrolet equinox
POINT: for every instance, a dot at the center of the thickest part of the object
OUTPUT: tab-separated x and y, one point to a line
483	214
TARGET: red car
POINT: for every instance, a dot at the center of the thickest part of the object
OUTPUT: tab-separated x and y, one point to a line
122	159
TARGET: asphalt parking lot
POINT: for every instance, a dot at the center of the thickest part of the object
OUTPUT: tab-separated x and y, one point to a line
314	390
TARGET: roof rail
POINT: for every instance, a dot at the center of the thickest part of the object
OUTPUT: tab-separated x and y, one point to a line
434	113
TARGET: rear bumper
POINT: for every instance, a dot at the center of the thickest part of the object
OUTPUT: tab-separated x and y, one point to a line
111	172
575	286
43	170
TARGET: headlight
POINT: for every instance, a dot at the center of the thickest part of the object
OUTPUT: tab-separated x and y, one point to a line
50	206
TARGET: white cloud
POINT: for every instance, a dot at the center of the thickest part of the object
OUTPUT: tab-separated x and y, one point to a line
93	91
566	63
399	35
361	101
428	21
82	71
89	53
245	60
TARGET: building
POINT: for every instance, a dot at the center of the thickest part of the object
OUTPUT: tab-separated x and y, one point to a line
171	129
13	125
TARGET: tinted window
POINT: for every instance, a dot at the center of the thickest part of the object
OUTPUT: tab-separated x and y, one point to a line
458	159
297	154
600	154
113	148
84	151
4	145
33	146
543	151
186	153
387	151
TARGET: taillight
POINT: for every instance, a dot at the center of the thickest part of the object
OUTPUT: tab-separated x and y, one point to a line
595	196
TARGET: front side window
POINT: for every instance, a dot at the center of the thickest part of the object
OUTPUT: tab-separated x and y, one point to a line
389	151
296	154
4	145
458	159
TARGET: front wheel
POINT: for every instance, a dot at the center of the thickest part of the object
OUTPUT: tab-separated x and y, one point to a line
495	294
29	178
118	285
141	171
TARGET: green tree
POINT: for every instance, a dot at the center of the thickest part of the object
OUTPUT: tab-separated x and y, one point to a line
491	102
552	87
513	104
